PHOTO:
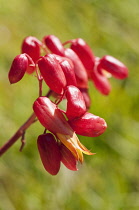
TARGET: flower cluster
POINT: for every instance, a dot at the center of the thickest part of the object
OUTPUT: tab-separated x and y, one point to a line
66	71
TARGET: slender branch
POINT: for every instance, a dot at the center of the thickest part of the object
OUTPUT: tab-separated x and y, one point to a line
40	87
19	133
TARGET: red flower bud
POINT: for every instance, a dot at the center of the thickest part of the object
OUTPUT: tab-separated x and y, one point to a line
75	103
52	73
67	158
67	67
54	44
113	66
88	125
100	81
18	68
50	116
31	46
49	153
68	70
80	72
84	52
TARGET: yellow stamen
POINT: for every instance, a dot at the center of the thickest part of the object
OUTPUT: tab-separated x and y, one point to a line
74	145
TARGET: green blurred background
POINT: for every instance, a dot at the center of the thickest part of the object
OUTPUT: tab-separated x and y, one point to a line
110	179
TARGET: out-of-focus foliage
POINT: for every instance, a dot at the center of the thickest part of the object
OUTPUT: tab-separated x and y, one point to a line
109	180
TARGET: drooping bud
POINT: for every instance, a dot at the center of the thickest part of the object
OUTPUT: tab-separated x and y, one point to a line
80	72
50	116
18	68
67	158
54	44
84	52
31	46
49	153
68	70
113	66
52	73
100	81
67	67
75	103
88	125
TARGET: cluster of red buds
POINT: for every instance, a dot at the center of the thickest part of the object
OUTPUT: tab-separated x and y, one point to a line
66	71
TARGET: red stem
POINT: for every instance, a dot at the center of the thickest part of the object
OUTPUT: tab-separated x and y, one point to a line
20	131
40	87
68	42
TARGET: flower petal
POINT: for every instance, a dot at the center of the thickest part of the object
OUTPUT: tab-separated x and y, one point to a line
80	72
52	73
31	46
67	158
51	117
84	52
54	44
75	102
49	153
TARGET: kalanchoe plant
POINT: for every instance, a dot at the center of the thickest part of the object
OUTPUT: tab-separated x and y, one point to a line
66	71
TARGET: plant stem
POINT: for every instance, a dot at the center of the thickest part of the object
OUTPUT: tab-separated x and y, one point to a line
40	87
17	135
20	131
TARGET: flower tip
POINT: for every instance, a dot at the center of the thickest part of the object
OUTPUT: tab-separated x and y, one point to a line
101	127
93	154
11	81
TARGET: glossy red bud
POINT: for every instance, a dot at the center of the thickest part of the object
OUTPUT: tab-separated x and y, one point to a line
52	73
84	52
18	68
80	72
68	69
75	102
67	158
88	125
101	82
113	66
49	153
50	116
31	46
54	44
